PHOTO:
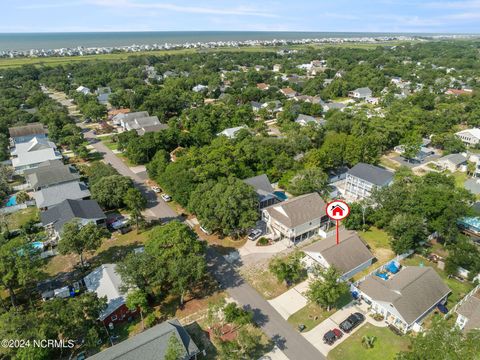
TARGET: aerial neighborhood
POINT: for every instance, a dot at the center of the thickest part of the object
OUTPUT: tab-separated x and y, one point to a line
178	211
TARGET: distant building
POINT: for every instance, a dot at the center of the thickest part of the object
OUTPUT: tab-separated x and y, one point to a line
453	162
103	94
263	86
152	344
277	68
231	132
362	179
288	92
199	88
360	93
470	137
83	89
303	120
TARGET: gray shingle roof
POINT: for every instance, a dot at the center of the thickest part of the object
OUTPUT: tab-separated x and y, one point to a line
299	210
412	291
346	256
372	174
471	310
50	173
71	209
261	184
473	185
54	195
151	344
456	159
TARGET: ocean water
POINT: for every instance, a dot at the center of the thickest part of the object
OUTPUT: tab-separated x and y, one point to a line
27	41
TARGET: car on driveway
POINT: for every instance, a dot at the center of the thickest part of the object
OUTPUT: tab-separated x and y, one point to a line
352	322
156	189
166	197
331	336
254	234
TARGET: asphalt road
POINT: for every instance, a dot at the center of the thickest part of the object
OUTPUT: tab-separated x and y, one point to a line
294	345
156	207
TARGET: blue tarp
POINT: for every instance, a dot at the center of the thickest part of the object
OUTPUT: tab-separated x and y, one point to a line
382	275
443	309
392	267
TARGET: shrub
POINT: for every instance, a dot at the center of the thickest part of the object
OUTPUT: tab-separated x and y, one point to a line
263	241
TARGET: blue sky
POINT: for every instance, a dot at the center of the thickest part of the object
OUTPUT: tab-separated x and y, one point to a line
453	16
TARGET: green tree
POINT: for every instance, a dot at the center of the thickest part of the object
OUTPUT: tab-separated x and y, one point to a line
179	257
135	202
229	206
175	350
412	144
327	288
237	315
22	197
111	191
77	239
309	180
137	271
290	269
137	299
445	341
407	230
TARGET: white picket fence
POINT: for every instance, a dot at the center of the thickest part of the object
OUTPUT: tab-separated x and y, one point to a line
18	207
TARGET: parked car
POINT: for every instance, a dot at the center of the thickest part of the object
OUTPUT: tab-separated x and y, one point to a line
166	197
254	234
331	336
119	224
156	189
352	322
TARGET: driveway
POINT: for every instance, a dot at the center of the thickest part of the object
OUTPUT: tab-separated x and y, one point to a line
275	354
315	336
291	301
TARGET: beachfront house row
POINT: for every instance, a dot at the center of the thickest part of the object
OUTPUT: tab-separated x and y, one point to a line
298	219
349	257
470	137
469	312
152	344
403	296
363	178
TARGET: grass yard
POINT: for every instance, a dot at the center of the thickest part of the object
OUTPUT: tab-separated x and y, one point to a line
386	345
19	218
389	163
459	289
108	142
312	314
264	281
460	178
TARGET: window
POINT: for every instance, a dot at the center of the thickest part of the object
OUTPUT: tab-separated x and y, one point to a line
113	317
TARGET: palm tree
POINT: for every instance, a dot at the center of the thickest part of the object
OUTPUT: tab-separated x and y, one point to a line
368	341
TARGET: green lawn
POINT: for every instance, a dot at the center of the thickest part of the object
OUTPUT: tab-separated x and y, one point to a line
460	178
107	141
386	346
19	218
376	238
459	289
312	314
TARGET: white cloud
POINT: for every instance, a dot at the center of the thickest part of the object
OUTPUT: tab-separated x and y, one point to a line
129	4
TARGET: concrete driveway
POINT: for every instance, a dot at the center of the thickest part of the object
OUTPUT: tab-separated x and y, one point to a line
275	354
315	336
291	301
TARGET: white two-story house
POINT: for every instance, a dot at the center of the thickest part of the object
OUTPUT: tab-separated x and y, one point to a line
362	179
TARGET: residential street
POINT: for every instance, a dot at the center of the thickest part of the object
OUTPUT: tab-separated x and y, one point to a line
294	345
156	208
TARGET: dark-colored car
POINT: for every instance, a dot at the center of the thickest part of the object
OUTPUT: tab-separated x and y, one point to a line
331	336
352	322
